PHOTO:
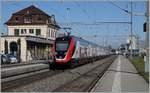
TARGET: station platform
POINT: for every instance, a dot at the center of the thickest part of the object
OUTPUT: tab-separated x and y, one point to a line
121	76
24	63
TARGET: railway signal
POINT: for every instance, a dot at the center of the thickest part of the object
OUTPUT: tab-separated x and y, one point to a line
144	27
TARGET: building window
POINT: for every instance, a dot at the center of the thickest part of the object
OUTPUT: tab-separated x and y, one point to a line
54	34
28	12
38	32
16	32
23	31
51	33
27	20
16	18
39	19
31	31
48	32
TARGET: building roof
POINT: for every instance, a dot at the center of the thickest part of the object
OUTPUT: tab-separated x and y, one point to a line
32	16
31	10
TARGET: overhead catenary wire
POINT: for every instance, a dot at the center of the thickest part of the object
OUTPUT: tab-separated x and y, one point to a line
89	17
92	23
97	23
84	11
63	16
127	11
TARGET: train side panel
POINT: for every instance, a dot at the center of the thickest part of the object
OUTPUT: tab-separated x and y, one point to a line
81	51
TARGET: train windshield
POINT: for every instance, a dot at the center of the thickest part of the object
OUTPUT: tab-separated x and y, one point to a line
62	46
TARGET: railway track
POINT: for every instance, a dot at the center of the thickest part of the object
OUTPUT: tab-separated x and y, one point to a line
47	81
10	73
6	86
86	81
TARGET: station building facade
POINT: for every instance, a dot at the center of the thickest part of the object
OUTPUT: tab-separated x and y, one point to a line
133	44
31	34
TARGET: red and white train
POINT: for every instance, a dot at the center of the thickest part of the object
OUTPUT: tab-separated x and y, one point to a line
72	51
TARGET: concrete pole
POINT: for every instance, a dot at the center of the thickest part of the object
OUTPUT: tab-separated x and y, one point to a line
147	39
131	33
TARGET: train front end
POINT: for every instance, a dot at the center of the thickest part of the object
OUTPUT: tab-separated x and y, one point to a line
64	47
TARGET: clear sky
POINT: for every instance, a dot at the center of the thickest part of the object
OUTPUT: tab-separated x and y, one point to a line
86	12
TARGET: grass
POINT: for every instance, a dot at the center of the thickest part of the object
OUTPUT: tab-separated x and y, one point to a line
138	62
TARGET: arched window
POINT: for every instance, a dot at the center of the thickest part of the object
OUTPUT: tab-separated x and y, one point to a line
13	48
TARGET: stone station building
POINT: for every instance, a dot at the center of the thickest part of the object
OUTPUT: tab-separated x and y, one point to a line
31	34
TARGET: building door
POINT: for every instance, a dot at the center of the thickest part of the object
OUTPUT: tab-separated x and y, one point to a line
13	48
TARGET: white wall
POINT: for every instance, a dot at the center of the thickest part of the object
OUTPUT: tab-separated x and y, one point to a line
27	27
2	48
46	32
14	39
52	33
134	42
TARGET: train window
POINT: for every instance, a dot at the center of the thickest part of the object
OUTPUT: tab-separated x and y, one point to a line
61	46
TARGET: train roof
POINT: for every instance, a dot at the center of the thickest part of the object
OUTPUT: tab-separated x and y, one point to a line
83	40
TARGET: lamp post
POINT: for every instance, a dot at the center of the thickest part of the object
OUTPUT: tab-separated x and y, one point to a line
147	39
131	43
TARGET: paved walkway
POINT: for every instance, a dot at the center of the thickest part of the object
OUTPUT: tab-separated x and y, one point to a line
121	77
